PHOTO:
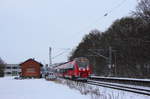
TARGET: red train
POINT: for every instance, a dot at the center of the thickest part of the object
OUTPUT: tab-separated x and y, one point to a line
79	68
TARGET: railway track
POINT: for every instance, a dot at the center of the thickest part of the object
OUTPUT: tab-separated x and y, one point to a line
130	85
130	81
124	87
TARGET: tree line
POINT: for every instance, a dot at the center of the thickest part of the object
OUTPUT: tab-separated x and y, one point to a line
2	67
123	50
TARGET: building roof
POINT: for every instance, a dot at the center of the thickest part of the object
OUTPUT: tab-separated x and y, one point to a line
31	59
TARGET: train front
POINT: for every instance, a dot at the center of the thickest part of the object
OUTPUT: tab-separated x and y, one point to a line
84	68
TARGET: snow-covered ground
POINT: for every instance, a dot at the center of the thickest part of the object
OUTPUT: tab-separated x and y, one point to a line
36	89
60	89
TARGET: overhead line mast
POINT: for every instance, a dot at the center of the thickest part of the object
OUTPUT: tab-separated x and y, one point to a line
50	54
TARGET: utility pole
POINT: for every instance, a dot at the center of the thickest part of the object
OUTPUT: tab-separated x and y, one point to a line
110	56
50	58
110	61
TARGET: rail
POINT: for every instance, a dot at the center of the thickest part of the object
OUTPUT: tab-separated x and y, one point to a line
131	81
130	88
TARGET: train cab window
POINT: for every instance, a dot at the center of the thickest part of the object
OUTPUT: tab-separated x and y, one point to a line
82	62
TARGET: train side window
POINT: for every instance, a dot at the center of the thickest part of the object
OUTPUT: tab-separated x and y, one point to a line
71	67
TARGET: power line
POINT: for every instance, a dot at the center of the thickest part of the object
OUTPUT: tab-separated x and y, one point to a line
60	49
103	16
114	8
59	54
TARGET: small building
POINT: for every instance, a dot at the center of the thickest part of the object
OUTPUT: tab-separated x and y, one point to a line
12	70
31	68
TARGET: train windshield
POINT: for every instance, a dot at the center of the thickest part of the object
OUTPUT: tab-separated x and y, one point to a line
82	62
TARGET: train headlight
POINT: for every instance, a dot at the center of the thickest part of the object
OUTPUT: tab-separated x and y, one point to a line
80	69
87	68
83	69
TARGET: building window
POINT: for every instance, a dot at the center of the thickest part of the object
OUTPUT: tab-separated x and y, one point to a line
14	67
8	72
14	73
8	67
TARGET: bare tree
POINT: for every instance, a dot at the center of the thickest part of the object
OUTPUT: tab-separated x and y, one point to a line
143	10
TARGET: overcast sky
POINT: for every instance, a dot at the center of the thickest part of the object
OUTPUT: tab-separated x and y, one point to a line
29	27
